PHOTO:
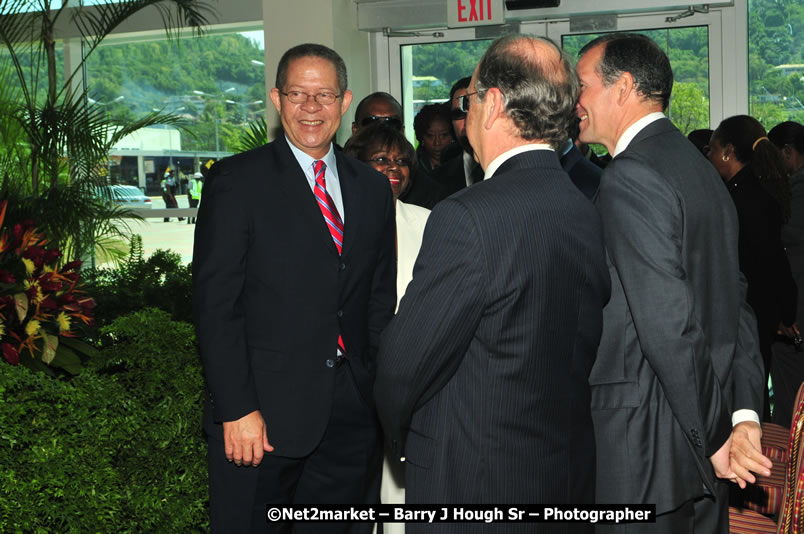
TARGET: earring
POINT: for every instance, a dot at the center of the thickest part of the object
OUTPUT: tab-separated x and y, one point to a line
724	157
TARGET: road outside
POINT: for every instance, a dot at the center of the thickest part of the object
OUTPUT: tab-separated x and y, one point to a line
175	235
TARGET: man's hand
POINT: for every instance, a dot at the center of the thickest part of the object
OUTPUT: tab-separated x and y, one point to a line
746	453
245	439
791	331
720	461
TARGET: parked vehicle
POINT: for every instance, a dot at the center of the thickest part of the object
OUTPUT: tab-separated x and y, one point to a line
126	195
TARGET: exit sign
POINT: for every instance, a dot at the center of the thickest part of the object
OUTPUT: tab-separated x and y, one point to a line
468	13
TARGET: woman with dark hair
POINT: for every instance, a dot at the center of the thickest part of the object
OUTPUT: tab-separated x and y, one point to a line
788	364
432	125
389	152
755	176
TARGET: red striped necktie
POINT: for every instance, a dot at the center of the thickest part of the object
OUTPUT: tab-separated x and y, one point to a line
328	209
331	216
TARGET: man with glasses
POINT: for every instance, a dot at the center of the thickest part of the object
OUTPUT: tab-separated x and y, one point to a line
378	108
458	168
483	373
293	280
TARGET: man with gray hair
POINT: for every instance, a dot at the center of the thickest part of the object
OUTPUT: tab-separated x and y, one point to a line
677	384
482	374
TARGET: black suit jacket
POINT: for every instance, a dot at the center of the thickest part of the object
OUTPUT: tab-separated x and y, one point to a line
484	369
679	350
583	173
271	294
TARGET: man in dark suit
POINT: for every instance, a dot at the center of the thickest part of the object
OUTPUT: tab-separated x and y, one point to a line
294	279
458	166
583	173
677	384
483	372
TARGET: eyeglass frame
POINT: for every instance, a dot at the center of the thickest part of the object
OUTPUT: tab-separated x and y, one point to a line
400	162
464	102
313	96
392	122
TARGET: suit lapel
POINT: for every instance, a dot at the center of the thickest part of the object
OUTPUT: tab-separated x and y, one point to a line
352	200
301	199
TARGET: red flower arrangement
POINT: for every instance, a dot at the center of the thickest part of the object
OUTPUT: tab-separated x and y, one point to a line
39	302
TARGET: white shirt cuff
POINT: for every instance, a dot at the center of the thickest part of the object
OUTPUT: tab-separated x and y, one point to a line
741	416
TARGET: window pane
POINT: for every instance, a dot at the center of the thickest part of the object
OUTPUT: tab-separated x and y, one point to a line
216	83
429	70
688	50
776	60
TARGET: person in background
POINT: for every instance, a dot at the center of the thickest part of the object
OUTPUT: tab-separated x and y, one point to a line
383	108
168	186
432	128
388	151
458	166
677	383
700	138
378	108
787	372
754	173
194	193
583	173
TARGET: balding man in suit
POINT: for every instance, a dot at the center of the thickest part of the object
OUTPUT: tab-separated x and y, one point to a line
483	372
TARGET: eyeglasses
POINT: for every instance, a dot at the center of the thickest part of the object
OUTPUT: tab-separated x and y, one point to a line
387	162
463	101
324	98
393	122
457	114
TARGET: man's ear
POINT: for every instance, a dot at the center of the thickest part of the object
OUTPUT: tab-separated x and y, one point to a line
492	107
625	87
275	96
346	99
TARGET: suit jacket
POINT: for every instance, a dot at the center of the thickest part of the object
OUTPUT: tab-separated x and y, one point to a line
452	176
679	350
271	294
484	369
583	173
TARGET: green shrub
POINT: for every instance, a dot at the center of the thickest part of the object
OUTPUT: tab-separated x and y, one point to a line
119	448
161	282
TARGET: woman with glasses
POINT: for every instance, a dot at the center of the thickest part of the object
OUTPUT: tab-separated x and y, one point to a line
388	151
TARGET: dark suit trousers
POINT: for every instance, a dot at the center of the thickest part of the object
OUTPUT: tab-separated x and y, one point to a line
345	468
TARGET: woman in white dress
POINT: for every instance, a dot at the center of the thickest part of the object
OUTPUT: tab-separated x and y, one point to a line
388	151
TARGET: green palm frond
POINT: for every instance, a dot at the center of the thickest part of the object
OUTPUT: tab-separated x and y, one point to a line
53	150
255	136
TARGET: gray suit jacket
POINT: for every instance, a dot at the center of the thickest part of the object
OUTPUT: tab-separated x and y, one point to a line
679	351
487	361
